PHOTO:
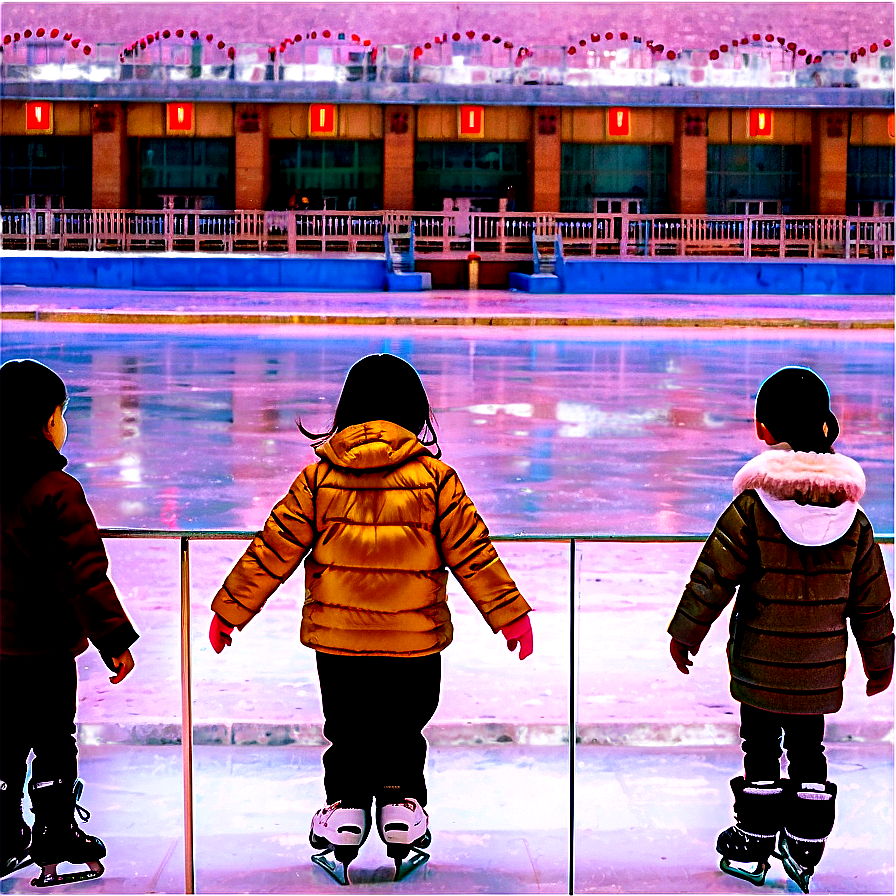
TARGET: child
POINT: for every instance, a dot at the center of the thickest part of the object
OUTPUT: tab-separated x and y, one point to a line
382	517
56	596
802	554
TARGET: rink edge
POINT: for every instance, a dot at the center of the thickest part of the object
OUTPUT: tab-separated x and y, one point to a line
473	733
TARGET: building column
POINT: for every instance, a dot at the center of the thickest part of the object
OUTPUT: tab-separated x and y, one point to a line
687	187
828	162
544	160
399	142
109	150
251	157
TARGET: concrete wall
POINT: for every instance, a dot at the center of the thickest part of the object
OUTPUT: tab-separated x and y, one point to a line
671	276
192	272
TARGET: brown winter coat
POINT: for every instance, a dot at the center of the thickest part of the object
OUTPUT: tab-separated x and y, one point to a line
788	637
56	592
382	519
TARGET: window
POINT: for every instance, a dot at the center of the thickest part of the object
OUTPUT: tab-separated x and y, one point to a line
869	173
755	171
342	174
45	166
610	170
198	167
485	172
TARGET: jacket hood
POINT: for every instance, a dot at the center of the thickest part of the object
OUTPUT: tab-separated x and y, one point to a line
813	497
372	446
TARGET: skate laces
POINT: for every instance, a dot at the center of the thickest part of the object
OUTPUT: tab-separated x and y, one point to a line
82	813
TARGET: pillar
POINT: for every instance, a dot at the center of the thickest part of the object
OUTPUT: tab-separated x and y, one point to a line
544	160
687	189
828	161
251	157
109	156
399	141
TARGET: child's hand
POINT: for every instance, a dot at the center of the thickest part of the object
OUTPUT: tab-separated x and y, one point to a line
679	653
124	664
878	681
519	632
219	633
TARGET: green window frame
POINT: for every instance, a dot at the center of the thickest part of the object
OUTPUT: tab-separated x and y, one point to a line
756	171
869	173
202	167
46	166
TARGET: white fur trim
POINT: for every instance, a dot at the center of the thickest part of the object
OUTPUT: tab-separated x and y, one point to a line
785	474
809	524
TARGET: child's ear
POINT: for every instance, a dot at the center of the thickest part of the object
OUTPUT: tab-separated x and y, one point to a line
52	425
764	435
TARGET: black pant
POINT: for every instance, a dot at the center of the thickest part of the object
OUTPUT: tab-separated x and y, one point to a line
762	730
38	697
375	709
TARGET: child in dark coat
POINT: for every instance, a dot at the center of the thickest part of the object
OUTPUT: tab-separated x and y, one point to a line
800	553
56	596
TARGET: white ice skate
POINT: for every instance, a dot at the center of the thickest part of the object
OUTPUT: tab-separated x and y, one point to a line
340	831
404	828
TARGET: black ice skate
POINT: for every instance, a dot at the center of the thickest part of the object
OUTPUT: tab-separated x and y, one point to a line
15	835
746	846
404	828
341	831
808	820
56	837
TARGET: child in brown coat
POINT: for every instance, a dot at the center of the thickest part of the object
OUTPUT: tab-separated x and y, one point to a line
800	553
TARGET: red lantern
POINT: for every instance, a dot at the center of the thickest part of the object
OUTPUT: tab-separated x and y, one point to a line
209	37
713	54
508	45
194	34
670	55
355	38
887	42
322	120
781	41
149	39
86	51
800	52
757	37
471	121
40	32
66	36
231	53
39	116
623	35
791	46
221	45
427	46
861	51
594	37
366	43
609	35
179	32
313	35
54	33
142	44
455	36
486	37
76	42
583	43
496	40
7	38
659	48
853	57
724	48
166	34
873	48
418	52
619	122
180	118
27	33
571	51
769	38
325	34
760	122
471	34
891	126
817	59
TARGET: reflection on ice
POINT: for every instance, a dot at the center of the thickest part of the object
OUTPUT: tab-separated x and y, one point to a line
581	431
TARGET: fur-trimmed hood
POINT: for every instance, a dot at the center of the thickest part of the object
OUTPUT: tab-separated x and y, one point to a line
814	497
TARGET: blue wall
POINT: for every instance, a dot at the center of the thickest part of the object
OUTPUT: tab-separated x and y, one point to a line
702	276
195	272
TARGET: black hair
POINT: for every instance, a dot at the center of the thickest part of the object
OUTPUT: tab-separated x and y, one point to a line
794	405
29	394
382	387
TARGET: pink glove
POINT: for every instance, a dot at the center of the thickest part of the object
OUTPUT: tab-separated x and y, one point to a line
519	632
219	633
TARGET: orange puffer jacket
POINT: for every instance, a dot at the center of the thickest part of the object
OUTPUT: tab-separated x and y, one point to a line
382	519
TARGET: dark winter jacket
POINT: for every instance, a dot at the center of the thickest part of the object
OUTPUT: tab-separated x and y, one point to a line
56	593
801	555
382	519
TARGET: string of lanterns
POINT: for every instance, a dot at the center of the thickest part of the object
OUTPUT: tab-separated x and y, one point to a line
45	34
325	34
144	43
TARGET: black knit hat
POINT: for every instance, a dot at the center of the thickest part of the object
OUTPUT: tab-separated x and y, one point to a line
29	393
794	405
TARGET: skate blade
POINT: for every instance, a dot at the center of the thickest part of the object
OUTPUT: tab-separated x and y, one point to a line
336	870
404	867
755	876
19	865
49	877
794	871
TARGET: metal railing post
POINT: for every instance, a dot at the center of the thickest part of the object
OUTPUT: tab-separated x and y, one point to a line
186	713
573	715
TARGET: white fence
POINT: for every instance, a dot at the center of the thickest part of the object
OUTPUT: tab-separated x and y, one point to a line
489	234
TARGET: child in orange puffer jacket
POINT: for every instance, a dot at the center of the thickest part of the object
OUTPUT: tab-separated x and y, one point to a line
381	520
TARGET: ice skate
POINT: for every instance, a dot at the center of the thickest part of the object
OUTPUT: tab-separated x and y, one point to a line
746	846
404	828
56	837
340	831
808	820
16	835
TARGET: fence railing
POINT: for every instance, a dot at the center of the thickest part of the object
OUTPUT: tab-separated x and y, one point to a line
184	537
498	233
